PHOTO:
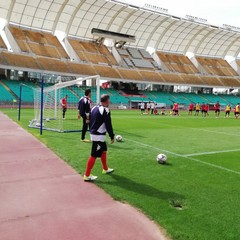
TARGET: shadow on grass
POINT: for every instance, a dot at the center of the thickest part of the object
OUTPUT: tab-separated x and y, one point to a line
142	189
117	146
128	133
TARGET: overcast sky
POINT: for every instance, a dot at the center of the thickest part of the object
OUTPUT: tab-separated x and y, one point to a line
216	12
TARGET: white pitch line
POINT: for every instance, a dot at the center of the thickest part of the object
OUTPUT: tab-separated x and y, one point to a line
186	157
209	153
217	132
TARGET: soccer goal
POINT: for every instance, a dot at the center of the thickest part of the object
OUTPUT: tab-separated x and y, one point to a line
49	113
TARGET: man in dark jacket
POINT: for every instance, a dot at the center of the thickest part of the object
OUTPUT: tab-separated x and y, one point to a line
84	108
100	125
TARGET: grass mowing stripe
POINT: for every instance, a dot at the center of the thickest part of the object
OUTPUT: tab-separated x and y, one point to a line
209	153
200	129
184	156
217	132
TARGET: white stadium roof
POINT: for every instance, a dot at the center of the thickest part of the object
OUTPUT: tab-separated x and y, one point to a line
151	28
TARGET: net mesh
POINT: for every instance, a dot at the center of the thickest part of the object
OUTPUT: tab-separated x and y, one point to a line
55	116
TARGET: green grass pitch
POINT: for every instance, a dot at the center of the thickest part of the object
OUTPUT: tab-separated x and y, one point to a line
202	174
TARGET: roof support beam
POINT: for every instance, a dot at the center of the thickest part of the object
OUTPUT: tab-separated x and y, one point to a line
163	34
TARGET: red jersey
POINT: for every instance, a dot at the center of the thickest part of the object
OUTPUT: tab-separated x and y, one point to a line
191	106
203	107
175	107
206	107
217	106
64	103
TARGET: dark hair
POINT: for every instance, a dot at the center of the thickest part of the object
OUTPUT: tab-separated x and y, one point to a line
87	91
105	98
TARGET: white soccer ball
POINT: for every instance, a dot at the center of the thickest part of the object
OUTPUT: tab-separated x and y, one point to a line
119	138
161	158
39	124
48	119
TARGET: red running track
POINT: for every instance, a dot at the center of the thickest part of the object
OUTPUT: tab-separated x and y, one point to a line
42	198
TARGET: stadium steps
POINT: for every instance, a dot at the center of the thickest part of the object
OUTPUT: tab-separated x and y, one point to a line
9	90
226	100
203	97
232	101
192	97
73	92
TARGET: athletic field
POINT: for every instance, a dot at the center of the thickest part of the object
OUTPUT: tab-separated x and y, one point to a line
195	196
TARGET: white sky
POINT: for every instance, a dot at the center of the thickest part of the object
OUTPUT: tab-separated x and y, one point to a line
217	12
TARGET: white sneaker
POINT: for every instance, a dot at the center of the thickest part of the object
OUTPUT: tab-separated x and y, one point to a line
110	170
90	178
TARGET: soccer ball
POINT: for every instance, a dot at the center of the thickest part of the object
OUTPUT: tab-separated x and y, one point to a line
119	138
48	119
161	158
39	125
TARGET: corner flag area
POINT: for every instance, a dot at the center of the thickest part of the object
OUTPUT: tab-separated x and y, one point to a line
42	198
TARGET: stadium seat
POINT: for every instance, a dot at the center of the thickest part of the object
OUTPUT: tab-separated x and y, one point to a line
177	63
106	71
216	66
39	43
130	74
92	52
19	60
52	64
138	58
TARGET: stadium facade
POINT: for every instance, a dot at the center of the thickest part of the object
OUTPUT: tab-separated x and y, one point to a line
56	37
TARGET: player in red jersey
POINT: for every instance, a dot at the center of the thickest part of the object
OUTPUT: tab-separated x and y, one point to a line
206	110
175	109
203	109
217	109
191	109
64	106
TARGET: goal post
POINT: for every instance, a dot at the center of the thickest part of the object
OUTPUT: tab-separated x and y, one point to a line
56	118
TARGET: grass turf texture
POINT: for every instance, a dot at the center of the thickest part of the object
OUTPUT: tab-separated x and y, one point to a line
210	196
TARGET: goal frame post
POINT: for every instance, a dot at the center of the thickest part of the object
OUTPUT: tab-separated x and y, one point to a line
60	85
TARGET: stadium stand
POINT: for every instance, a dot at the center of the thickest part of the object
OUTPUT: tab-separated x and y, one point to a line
5	95
177	63
2	44
216	66
211	81
173	78
192	79
234	82
151	76
51	64
117	97
83	69
27	92
138	58
232	99
92	52
107	71
39	43
18	60
130	74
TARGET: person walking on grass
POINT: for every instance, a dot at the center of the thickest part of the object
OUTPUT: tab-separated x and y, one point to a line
197	109
227	111
64	106
190	109
217	107
100	125
84	108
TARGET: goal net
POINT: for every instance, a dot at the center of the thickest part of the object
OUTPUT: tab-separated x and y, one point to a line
52	100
